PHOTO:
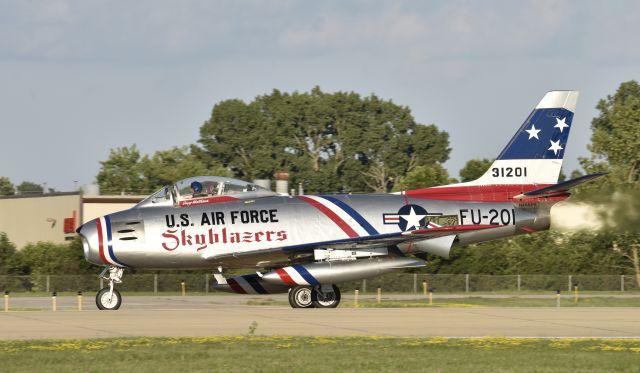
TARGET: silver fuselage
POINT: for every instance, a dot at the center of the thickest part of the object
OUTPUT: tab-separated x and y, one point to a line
277	230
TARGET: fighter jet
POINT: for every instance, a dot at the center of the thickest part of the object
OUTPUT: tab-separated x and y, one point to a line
306	245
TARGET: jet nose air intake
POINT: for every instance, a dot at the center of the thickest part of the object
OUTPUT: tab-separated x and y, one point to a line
90	243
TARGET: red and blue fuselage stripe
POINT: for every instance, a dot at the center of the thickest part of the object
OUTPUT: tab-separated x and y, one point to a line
353	213
331	215
112	255
101	242
253	280
306	275
235	286
107	220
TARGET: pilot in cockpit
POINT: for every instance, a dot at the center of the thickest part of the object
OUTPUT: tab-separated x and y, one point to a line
196	190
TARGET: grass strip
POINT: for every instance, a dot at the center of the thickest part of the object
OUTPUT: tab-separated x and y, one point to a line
312	354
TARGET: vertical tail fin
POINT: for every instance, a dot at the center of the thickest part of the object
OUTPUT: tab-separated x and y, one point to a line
534	154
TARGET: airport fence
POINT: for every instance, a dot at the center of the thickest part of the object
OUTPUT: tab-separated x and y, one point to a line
390	283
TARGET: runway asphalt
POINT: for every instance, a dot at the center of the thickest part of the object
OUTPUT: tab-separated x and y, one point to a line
229	315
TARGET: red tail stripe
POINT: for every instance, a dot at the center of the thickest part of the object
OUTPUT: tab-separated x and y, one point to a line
480	193
235	286
331	215
285	277
101	242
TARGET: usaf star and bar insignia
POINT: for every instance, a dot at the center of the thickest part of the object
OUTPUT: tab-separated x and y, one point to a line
411	217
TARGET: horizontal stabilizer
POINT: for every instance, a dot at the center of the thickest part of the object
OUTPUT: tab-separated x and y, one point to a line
560	188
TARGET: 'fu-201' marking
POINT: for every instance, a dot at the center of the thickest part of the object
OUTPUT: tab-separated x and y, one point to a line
492	216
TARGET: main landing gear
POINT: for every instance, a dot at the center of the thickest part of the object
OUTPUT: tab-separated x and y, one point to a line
324	296
109	298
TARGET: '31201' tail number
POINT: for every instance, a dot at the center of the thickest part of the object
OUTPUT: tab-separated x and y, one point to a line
509	172
491	216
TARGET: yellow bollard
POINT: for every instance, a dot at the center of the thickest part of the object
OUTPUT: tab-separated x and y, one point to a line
54	302
355	299
184	288
430	297
576	294
424	288
79	301
379	296
6	301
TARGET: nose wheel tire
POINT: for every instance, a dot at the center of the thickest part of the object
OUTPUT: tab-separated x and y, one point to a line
107	301
327	299
300	297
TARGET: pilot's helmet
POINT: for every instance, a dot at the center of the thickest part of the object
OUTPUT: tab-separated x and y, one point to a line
196	186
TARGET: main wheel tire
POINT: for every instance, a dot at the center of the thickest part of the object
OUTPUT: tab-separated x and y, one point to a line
105	302
326	299
301	297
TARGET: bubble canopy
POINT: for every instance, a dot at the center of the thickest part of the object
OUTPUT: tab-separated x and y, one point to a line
205	187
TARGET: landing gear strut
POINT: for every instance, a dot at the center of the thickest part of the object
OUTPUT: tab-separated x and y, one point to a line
109	298
325	296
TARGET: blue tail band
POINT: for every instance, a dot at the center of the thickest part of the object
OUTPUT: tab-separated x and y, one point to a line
542	136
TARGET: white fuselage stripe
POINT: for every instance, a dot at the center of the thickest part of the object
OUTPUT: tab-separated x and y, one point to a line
295	276
341	214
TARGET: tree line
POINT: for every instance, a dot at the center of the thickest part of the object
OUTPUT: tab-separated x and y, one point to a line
329	142
24	188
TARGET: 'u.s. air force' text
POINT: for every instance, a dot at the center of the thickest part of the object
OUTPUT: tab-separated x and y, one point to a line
220	218
182	230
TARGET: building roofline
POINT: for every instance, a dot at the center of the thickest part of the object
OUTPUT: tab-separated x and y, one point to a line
116	198
113	199
41	195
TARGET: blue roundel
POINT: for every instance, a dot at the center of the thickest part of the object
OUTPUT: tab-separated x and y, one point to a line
412	217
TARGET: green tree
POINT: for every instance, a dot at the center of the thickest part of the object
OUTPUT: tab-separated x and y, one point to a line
615	147
423	177
7	252
168	166
126	171
28	187
622	218
328	142
549	252
475	168
6	187
121	172
615	142
45	258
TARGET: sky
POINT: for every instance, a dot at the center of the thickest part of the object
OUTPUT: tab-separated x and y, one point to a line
78	78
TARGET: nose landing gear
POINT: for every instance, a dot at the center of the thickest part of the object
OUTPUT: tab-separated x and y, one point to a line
109	298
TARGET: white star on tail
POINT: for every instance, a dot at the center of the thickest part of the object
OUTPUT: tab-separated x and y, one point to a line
561	124
555	146
533	132
413	220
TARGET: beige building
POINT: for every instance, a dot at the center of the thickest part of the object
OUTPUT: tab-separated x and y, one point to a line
55	216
